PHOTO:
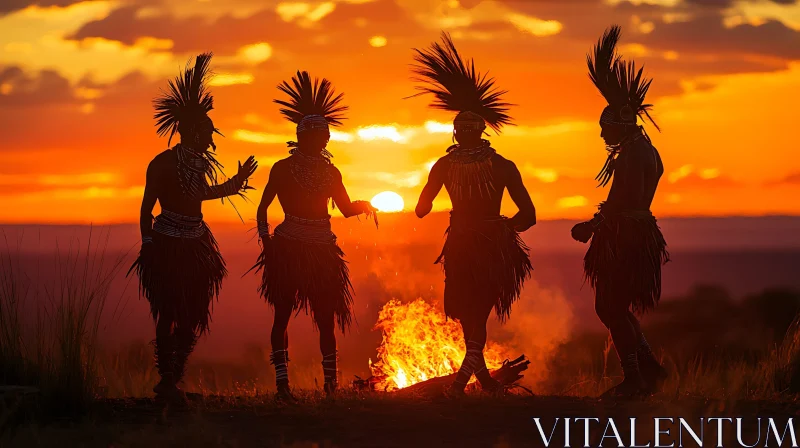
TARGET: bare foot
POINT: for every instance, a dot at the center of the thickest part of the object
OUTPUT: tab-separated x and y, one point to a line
284	394
454	391
330	389
654	374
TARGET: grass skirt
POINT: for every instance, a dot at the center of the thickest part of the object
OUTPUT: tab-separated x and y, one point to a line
485	264
624	260
309	276
180	277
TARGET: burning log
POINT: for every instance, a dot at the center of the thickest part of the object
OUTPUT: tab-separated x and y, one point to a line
508	375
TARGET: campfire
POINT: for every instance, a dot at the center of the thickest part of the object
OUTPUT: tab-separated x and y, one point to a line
420	344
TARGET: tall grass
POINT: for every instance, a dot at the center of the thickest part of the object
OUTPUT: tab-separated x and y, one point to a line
14	288
773	375
50	324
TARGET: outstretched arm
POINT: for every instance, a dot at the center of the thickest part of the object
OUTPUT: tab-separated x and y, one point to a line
148	202
342	199
431	190
270	191
526	216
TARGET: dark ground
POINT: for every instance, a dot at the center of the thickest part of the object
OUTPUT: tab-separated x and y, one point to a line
379	420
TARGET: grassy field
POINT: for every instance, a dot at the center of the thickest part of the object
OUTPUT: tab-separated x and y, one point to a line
726	356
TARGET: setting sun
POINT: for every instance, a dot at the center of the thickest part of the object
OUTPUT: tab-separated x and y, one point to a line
388	201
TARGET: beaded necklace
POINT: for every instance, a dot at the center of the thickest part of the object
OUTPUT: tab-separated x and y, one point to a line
470	169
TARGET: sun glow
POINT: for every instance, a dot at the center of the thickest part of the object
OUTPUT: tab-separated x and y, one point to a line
388	202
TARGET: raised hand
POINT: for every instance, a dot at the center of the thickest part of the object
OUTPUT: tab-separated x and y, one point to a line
582	232
247	170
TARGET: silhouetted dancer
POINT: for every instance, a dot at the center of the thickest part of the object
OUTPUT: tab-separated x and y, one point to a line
180	267
623	263
301	265
485	260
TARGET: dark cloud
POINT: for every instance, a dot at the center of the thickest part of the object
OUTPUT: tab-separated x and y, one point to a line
224	35
704	34
791	179
382	17
48	87
722	4
708	35
7	6
348	27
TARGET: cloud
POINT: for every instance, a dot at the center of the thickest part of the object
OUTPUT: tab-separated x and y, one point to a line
7	6
709	35
61	194
378	41
687	176
535	26
256	53
263	138
790	179
230	79
305	12
192	34
545	175
34	182
378	132
573	202
18	89
406	180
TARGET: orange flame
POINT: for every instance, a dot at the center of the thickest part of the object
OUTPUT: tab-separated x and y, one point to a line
420	343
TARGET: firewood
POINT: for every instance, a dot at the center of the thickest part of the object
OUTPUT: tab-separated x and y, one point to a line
508	374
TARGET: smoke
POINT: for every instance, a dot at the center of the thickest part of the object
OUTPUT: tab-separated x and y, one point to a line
540	322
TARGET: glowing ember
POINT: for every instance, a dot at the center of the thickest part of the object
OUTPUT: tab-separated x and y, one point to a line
419	343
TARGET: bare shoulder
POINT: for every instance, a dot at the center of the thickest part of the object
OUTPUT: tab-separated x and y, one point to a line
278	168
442	161
164	160
280	164
503	162
440	165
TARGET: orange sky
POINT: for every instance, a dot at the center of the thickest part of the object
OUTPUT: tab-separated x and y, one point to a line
76	80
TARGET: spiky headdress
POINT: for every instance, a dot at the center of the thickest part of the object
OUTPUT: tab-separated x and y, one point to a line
458	87
620	83
187	102
311	105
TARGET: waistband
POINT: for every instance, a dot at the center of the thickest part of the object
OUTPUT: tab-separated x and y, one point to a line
314	231
466	217
179	226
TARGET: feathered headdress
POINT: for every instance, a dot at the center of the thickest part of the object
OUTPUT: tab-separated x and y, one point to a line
187	102
458	87
311	105
620	83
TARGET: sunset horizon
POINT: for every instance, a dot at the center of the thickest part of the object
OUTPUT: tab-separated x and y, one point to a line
77	80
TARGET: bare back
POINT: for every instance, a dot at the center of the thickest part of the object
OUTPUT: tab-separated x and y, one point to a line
480	203
163	173
471	202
